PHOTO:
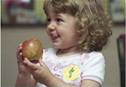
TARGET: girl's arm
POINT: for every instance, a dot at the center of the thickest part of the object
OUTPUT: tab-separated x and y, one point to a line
52	81
55	82
90	83
25	81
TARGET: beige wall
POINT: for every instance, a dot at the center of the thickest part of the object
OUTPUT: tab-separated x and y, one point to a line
11	37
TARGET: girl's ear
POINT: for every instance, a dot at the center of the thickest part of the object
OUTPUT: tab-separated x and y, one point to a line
83	34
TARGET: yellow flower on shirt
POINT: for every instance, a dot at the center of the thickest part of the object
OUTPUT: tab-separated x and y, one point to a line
71	72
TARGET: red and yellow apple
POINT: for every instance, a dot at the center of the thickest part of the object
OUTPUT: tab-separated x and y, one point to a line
32	49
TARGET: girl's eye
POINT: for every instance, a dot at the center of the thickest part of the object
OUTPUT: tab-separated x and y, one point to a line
59	20
48	20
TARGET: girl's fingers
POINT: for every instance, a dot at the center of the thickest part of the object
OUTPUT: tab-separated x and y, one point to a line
20	57
31	65
42	63
19	49
19	53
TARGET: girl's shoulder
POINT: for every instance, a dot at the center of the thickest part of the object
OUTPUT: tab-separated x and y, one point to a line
93	53
93	66
49	50
92	56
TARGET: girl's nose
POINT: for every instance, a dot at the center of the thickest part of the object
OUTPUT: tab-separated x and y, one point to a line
51	26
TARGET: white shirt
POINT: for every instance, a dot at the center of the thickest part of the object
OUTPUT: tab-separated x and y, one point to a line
73	68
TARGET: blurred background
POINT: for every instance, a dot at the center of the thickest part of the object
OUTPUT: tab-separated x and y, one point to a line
24	19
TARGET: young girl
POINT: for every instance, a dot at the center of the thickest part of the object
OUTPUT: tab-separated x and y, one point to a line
78	30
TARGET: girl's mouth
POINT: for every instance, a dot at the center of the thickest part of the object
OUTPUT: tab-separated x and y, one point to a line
54	36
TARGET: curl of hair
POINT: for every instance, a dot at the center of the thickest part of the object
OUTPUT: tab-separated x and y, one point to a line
92	18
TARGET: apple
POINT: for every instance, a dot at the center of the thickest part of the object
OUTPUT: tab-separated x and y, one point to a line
32	49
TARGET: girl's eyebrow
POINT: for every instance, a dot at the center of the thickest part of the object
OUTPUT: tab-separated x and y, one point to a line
59	15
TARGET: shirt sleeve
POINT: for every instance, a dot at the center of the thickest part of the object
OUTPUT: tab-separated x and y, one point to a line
40	85
93	67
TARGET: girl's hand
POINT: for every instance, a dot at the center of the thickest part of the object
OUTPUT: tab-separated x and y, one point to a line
21	67
39	71
24	77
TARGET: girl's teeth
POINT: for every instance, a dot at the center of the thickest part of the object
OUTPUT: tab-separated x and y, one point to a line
54	37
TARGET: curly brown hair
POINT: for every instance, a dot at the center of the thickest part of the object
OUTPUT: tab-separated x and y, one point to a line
91	19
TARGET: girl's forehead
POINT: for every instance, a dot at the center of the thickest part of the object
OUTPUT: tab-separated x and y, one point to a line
55	10
63	15
52	12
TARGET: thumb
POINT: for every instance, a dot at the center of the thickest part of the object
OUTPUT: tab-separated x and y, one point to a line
30	65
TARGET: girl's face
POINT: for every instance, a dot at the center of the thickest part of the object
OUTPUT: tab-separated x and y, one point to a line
62	30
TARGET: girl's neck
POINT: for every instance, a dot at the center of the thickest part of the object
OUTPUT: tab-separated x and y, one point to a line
70	50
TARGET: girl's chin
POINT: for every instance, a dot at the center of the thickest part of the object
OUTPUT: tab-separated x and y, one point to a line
58	46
